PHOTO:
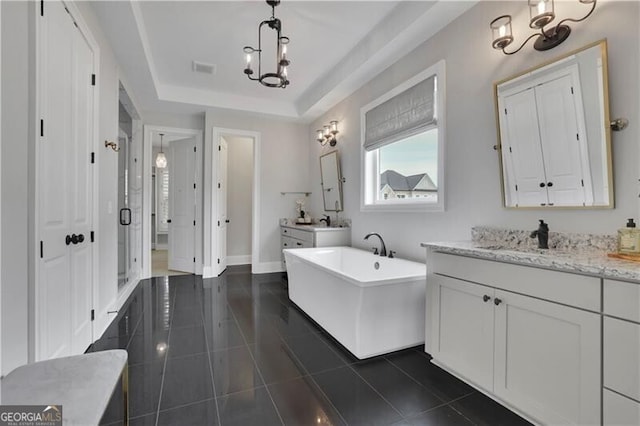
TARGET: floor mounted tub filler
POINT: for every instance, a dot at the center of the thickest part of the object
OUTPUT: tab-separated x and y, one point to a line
372	305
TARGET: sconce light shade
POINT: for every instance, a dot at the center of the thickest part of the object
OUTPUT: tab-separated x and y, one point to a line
501	31
541	14
161	160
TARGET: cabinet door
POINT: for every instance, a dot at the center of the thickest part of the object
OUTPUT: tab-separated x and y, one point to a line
522	150
547	360
462	328
561	143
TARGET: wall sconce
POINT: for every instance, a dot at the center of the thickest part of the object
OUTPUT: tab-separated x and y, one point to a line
328	134
541	13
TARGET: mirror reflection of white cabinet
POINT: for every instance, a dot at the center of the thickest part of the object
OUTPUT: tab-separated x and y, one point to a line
544	141
554	133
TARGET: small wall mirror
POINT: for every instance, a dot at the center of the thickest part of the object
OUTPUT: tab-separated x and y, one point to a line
331	182
554	133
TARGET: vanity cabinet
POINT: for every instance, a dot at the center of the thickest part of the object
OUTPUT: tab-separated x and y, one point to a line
528	337
621	375
307	236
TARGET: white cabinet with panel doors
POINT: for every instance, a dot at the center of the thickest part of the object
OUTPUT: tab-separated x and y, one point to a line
519	334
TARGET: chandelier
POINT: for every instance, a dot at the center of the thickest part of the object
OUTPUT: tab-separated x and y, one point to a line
161	159
279	77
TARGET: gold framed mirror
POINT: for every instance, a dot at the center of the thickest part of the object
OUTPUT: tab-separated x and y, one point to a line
554	135
331	182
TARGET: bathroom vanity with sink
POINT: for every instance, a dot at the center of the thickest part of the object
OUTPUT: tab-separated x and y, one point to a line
313	235
554	335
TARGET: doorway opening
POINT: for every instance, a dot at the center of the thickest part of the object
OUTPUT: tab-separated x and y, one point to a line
235	202
175	201
236	188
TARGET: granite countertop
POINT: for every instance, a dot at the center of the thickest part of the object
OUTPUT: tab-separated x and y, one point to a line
588	262
314	227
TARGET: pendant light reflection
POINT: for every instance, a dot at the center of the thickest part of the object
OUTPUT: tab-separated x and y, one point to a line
161	159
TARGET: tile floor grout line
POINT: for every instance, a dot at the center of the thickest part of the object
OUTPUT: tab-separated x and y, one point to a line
206	342
166	356
256	364
376	390
310	375
406	373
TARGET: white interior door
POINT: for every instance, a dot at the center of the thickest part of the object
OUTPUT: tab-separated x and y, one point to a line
64	187
521	146
223	219
81	191
182	205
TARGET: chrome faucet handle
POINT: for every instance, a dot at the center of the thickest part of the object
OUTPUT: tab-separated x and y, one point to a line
391	254
375	250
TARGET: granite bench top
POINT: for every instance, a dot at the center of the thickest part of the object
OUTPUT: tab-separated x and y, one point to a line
82	384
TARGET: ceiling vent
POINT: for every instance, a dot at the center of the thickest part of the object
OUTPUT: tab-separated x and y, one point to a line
204	68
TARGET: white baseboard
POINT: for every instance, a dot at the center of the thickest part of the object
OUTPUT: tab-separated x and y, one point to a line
239	260
267	267
207	272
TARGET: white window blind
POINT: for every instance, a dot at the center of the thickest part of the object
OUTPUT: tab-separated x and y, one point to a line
406	114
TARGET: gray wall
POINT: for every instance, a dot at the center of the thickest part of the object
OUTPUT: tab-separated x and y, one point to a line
16	168
239	197
472	174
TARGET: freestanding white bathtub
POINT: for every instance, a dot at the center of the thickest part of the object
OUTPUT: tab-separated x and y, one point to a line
371	304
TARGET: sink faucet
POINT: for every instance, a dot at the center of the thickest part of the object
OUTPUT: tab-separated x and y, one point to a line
326	219
543	235
383	249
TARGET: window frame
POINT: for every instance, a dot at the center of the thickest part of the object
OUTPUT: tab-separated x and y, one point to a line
369	173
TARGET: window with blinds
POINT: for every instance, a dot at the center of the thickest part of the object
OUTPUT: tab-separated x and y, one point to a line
402	145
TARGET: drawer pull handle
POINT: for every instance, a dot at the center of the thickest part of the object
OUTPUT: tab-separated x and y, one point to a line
486	298
497	301
299	244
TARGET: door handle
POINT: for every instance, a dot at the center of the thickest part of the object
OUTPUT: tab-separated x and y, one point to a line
168	220
80	238
67	239
226	221
125	221
74	239
497	301
486	298
550	184
542	184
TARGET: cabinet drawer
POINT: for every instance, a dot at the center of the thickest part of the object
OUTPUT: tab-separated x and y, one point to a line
288	242
298	234
619	410
562	287
291	243
622	357
622	299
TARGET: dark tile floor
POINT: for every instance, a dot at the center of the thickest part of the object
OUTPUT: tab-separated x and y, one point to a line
234	350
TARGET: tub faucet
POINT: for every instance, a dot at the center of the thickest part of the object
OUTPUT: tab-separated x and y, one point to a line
543	235
326	219
383	249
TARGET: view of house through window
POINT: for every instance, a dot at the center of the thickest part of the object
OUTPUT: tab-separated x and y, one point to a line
402	146
409	168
